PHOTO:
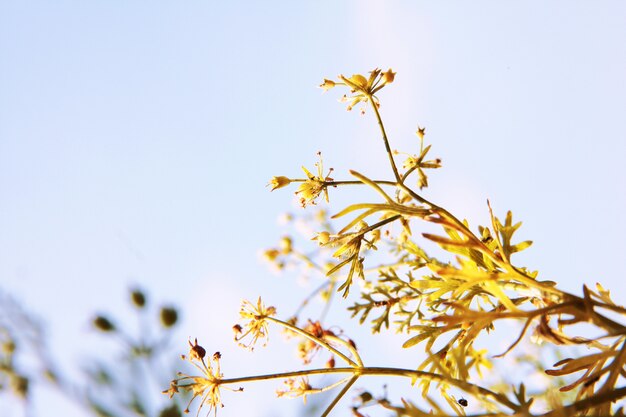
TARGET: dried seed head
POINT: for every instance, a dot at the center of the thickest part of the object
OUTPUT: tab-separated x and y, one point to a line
104	324
331	362
196	351
138	298
169	316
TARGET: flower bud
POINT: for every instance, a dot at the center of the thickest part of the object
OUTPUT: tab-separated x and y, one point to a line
322	238
279	182
421	131
327	84
388	76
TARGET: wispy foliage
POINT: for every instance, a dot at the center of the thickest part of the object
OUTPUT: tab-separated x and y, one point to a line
441	305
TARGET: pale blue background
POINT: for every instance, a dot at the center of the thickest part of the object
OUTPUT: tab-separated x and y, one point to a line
136	139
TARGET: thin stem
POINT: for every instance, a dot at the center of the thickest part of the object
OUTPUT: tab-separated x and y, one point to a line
599	398
372	184
313	293
348	346
313	339
380	371
386	141
343	392
408	172
307	260
379	182
347	182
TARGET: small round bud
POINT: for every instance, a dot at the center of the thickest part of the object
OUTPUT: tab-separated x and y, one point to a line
196	351
104	324
322	238
366	397
138	298
169	316
330	363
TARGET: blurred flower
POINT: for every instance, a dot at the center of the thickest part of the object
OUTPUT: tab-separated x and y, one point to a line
295	388
169	316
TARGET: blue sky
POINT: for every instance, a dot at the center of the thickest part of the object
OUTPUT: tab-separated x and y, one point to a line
136	139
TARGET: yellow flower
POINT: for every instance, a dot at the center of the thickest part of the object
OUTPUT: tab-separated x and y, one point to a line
313	186
410	162
309	190
364	89
256	326
205	386
279	182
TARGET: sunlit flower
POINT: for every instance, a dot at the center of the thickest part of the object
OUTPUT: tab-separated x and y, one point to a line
410	162
309	190
206	386
313	186
362	88
255	325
